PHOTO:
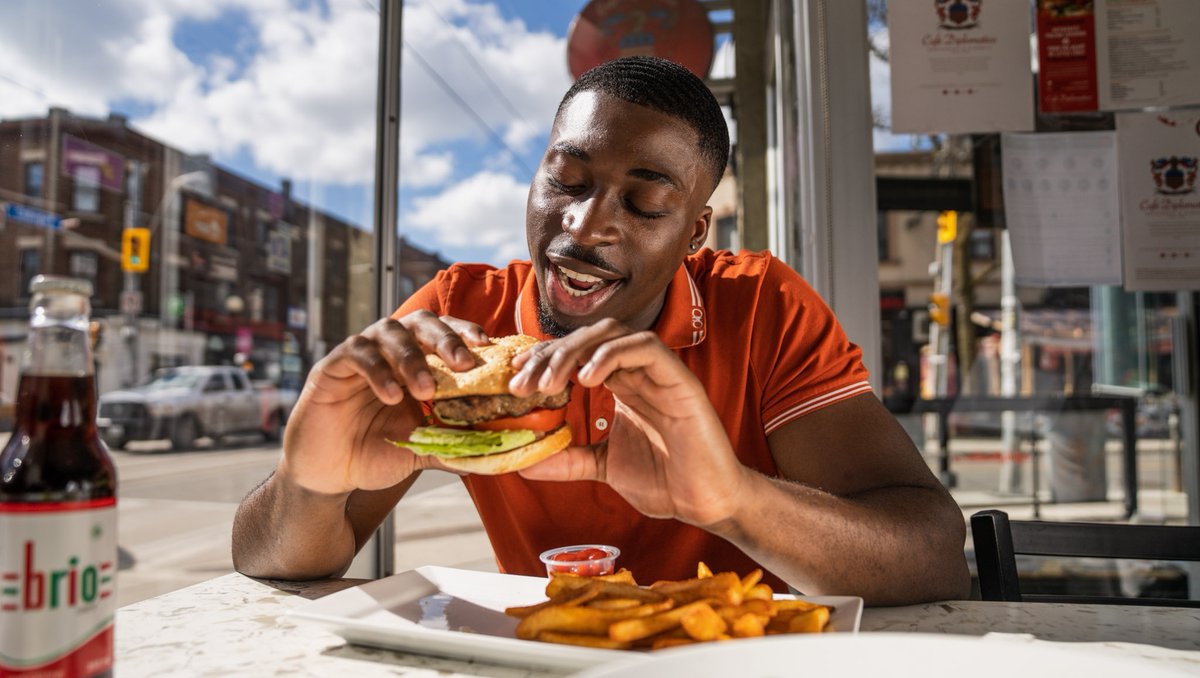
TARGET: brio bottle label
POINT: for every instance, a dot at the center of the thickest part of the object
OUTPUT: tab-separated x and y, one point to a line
58	567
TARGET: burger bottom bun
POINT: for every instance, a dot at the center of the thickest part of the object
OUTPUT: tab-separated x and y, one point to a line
514	460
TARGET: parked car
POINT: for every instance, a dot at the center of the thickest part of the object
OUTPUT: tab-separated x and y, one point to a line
186	403
275	404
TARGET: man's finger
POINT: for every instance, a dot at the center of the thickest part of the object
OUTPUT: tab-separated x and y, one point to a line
573	463
436	336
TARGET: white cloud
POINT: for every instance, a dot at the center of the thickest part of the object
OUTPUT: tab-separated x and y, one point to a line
486	210
303	104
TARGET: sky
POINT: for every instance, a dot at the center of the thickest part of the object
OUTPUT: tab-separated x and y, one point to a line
286	88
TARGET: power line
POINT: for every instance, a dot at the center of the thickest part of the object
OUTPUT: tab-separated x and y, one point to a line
24	86
458	99
453	94
476	65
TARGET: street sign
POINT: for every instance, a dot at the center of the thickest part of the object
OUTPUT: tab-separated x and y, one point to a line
131	302
32	216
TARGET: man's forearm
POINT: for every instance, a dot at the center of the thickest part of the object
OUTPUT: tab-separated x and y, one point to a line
892	546
282	531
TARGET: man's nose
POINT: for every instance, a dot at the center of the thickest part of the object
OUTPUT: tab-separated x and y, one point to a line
592	222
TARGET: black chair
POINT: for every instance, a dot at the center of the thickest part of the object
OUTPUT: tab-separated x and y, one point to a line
998	540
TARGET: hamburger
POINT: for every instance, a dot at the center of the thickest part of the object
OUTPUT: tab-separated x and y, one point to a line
478	426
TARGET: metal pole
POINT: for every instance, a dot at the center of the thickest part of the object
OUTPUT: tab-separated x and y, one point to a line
50	199
387	181
1010	364
133	280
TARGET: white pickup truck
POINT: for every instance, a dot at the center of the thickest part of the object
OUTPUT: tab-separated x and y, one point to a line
186	403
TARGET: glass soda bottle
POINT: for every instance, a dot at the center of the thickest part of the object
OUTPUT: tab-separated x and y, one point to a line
58	501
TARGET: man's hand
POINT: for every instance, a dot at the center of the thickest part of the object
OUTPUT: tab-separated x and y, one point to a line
666	453
365	392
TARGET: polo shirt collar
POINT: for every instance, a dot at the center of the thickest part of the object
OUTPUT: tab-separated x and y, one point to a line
682	323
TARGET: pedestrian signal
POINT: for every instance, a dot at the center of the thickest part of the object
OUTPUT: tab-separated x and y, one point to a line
939	309
135	250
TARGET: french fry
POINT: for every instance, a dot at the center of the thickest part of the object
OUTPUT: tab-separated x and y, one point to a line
703	623
633	629
613	612
748	625
795	604
567	597
582	639
560	581
751	580
812	621
582	619
614	603
663	643
725	587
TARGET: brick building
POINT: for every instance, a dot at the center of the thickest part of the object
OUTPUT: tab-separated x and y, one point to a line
238	270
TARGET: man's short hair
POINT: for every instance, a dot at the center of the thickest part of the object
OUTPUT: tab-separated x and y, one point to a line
668	88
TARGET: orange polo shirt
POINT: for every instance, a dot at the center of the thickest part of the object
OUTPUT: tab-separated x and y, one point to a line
767	349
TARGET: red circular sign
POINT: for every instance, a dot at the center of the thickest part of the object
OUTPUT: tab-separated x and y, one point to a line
678	30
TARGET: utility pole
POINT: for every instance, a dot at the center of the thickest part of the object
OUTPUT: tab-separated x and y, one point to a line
131	296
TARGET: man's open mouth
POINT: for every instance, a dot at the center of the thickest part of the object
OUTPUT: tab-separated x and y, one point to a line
579	284
576	293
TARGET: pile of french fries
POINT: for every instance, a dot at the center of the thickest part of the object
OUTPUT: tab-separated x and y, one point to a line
612	611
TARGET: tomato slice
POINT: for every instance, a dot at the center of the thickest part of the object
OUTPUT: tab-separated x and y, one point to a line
539	420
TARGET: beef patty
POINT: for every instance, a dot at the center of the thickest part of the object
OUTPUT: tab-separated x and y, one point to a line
472	409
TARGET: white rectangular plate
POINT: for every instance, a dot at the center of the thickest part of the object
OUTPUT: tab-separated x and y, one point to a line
460	613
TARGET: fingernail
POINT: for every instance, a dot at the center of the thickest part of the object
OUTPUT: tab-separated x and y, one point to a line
393	391
586	370
463	356
547	377
425	382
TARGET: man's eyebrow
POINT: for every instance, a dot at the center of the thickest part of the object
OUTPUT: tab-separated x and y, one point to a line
571	150
638	173
651	175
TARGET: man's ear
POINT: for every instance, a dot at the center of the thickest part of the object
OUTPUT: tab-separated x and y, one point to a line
700	228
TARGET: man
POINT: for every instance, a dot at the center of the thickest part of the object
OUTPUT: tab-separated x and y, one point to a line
719	411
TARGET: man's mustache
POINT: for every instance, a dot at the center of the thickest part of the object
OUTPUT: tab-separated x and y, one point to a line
573	250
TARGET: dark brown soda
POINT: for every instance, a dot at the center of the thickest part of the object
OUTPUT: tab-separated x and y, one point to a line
55	452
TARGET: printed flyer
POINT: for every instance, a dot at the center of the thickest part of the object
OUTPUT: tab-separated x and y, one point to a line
1160	199
960	66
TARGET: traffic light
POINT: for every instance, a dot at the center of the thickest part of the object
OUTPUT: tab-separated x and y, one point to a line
135	250
939	308
947	222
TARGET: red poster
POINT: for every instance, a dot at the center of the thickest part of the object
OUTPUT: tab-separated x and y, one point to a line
1066	56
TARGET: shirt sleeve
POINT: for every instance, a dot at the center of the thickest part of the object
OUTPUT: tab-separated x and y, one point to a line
805	359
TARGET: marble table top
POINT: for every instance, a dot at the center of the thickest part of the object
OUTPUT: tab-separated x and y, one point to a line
234	626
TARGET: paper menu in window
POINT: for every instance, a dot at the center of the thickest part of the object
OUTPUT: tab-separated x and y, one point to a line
1160	198
1062	207
1148	53
960	66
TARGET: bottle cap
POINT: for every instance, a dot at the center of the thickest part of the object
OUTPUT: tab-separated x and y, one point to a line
57	283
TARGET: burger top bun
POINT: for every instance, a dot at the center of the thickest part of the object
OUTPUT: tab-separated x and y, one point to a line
491	374
514	460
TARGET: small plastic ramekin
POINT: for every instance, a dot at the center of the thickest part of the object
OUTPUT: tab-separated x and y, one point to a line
588	560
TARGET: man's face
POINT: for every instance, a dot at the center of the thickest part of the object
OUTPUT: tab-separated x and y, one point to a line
617	199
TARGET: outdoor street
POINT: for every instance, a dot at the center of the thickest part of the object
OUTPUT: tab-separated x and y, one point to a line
176	508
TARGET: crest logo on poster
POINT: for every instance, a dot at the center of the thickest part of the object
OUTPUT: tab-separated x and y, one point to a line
958	14
1175	175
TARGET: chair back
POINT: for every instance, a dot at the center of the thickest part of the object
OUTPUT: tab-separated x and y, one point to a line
999	540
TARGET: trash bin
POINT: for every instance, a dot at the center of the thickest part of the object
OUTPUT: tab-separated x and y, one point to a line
1076	456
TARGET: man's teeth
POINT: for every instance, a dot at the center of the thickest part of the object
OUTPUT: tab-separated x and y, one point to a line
592	281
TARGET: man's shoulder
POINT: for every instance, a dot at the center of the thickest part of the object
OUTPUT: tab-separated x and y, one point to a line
514	271
722	270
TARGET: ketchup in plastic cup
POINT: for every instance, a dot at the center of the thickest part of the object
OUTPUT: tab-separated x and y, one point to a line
589	560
